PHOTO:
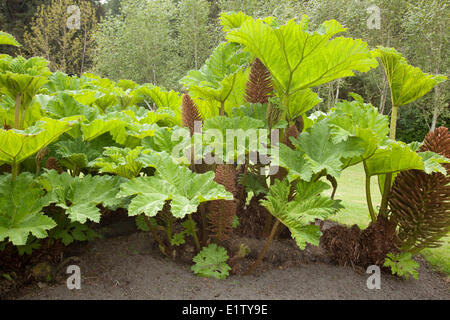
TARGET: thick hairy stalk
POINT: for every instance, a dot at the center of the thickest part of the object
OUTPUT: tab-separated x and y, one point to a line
263	252
420	202
162	246
373	216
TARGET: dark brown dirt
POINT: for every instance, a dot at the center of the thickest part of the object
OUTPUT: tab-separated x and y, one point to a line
131	267
127	264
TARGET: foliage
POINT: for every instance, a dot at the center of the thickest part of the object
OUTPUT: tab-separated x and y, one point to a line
79	197
407	83
402	264
211	262
298	213
17	145
308	58
169	184
21	204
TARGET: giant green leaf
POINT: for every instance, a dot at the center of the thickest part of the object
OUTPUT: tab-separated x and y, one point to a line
299	59
221	73
79	196
319	151
21	204
298	214
398	156
6	38
407	83
17	145
183	188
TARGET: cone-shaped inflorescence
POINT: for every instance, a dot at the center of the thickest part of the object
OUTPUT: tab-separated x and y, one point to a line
259	86
420	202
222	212
189	113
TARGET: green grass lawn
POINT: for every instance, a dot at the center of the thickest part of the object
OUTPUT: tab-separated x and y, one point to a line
351	188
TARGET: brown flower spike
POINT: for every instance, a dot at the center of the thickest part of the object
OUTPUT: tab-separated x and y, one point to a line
420	202
259	86
222	212
189	113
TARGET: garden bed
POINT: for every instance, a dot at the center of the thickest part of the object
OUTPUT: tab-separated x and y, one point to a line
132	267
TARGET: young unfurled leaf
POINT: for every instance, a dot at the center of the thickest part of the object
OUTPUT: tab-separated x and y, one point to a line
211	262
79	196
21	204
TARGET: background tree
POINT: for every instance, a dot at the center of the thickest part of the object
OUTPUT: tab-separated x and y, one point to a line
427	40
15	16
138	43
196	37
68	49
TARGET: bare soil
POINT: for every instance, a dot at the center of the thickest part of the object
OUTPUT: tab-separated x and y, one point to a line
131	267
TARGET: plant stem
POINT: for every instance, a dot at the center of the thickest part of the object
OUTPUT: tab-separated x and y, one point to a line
222	108
369	195
388	180
194	233
244	180
14	171
263	252
17	112
158	239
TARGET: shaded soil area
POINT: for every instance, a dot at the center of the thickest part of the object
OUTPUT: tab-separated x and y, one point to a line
131	267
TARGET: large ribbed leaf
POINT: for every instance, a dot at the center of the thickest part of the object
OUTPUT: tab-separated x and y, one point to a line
17	145
316	151
79	196
407	83
221	73
298	214
299	59
398	156
6	38
21	204
183	188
